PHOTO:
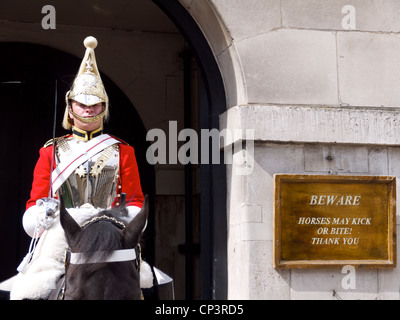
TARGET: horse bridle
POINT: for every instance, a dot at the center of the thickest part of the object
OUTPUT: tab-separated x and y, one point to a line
121	255
117	223
117	255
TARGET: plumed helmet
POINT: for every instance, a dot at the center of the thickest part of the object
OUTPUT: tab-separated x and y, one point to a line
87	87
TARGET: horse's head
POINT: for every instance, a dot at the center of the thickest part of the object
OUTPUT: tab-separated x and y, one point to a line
130	234
96	243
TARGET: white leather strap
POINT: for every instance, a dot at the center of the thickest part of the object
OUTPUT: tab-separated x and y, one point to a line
73	161
116	256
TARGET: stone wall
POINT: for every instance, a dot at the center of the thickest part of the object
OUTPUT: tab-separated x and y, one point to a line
310	78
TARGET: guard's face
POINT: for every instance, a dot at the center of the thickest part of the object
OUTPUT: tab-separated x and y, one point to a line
85	111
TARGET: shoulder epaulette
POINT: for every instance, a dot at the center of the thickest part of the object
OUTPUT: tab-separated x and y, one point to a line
51	141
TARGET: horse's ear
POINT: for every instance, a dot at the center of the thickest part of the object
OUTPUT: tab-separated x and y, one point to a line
68	223
134	229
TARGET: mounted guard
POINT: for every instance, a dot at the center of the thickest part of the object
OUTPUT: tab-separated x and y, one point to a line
88	169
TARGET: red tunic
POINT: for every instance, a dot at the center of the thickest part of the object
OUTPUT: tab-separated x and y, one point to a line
128	183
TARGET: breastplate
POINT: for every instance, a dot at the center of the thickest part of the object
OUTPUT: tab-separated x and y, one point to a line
94	181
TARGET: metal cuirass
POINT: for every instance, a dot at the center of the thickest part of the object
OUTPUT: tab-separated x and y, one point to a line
94	181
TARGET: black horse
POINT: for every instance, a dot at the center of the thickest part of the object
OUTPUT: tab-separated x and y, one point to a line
103	263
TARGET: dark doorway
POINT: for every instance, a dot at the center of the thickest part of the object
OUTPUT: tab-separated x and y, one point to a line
28	75
27	80
213	245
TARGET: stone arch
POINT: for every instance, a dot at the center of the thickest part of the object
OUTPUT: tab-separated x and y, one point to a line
223	47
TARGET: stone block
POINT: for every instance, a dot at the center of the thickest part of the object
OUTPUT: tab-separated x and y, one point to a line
210	23
315	284
255	232
235	87
377	15
312	14
316	124
335	159
251	213
245	19
256	279
369	69
290	67
370	15
378	161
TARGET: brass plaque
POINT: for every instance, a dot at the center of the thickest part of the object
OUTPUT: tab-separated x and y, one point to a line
330	220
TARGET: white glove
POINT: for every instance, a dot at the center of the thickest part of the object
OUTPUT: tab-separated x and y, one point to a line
47	207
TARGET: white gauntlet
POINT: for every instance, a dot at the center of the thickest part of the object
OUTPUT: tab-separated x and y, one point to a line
42	214
47	209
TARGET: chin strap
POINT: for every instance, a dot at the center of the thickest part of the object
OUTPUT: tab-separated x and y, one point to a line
88	119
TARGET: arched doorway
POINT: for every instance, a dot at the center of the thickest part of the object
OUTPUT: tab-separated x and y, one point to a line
27	92
213	177
133	27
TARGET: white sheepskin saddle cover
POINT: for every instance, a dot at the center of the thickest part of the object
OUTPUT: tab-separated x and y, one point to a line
47	264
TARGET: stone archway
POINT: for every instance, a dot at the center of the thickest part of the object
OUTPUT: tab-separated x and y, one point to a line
213	177
128	26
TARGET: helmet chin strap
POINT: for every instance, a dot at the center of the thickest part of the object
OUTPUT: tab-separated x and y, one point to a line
88	119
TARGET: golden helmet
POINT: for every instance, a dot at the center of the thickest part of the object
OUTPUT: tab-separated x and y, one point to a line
87	87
